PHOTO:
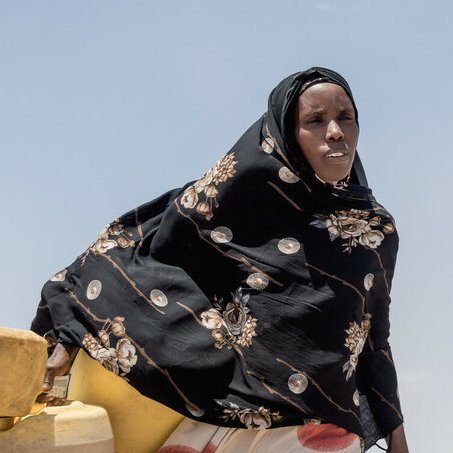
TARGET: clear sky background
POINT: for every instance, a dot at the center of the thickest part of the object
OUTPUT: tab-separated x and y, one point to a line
106	104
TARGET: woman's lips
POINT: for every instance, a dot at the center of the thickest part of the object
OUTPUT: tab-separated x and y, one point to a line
337	155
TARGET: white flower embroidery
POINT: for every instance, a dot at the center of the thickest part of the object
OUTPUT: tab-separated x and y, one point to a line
260	418
202	195
355	341
126	356
119	359
231	324
356	227
113	235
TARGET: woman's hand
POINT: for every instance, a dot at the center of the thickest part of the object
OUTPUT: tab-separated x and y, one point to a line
399	443
58	364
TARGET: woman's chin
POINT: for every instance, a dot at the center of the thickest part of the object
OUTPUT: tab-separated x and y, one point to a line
332	177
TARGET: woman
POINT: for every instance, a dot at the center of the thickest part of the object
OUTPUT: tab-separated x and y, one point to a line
254	297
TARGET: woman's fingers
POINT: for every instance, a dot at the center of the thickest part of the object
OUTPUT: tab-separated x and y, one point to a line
48	379
56	402
47	385
58	364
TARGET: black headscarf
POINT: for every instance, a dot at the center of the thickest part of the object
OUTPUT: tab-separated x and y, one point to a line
256	296
282	102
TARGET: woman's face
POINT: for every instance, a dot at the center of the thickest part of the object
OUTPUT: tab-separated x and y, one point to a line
326	130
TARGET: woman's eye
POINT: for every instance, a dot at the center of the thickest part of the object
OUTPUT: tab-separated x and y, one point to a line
345	116
314	120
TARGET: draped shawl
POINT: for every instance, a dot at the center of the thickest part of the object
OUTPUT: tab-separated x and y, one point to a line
256	296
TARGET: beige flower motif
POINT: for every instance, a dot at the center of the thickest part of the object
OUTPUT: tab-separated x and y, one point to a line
224	169
248	332
126	355
119	359
112	235
202	195
212	319
90	343
204	208
124	242
355	341
211	191
115	229
388	228
104	355
371	239
189	198
261	418
355	226
103	243
230	324
117	327
235	317
345	227
104	338
205	181
220	338
107	358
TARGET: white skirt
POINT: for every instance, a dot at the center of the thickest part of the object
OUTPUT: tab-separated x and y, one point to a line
196	437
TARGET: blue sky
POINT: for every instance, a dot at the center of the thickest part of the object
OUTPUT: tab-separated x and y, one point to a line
106	104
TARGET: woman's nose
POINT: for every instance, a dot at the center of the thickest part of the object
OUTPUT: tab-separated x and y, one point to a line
334	131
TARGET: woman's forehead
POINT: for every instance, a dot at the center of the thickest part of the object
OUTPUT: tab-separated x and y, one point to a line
323	95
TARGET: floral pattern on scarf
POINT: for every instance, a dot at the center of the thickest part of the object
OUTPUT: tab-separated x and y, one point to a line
231	324
119	359
260	418
112	235
202	195
355	341
356	227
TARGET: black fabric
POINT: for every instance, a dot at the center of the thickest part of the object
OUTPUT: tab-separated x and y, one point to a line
255	297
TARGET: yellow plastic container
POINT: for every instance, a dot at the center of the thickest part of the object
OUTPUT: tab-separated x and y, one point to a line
112	417
72	428
23	358
140	425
